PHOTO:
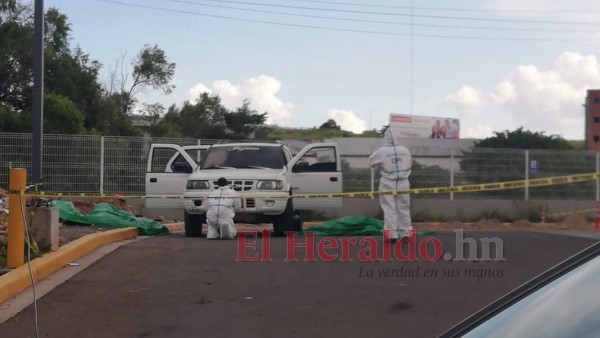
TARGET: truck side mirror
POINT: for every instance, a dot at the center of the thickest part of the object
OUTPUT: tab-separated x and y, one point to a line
182	167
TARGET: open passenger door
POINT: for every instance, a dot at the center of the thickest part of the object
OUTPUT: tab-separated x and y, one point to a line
167	172
316	169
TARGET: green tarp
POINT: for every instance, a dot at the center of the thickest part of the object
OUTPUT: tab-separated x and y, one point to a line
352	226
106	215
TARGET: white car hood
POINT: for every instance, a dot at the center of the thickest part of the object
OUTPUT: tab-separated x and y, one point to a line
237	174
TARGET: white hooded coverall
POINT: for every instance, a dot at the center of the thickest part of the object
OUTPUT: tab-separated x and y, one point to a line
221	209
394	163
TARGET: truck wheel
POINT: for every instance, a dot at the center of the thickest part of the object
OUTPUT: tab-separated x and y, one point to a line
298	221
285	221
193	224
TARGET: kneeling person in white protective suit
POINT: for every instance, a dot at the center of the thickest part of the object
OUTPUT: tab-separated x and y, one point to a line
394	163
221	209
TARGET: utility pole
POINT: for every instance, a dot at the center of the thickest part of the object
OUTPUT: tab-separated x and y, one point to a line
38	93
412	54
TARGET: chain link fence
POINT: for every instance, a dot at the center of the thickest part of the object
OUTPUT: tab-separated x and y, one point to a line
117	165
85	164
486	165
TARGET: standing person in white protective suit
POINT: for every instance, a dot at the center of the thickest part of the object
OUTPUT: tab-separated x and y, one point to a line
221	209
394	163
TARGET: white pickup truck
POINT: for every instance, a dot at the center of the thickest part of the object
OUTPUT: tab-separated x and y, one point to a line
265	175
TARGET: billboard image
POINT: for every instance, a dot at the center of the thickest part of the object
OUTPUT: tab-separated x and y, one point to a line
414	126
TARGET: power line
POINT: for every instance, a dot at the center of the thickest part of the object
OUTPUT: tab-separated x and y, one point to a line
561	30
408	15
412	56
450	9
248	20
340	29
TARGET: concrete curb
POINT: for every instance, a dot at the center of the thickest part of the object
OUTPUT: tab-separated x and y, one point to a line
19	279
174	226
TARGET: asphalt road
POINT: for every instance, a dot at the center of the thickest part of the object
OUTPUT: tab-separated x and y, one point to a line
173	286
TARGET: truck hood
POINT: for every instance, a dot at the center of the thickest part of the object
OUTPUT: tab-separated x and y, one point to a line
237	174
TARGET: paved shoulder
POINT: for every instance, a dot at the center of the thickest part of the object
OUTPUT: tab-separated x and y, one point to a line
172	286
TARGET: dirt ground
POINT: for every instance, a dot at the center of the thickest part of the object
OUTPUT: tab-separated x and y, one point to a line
573	222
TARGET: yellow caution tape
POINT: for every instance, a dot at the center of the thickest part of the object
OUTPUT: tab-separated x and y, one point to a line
538	182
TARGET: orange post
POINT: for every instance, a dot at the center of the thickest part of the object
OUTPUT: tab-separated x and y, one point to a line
15	255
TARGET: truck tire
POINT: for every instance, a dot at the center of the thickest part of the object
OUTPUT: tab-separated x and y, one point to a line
193	224
285	221
298	221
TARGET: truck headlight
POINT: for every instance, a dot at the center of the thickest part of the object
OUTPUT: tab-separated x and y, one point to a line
193	185
270	185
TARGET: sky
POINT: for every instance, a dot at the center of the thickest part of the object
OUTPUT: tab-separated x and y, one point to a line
494	64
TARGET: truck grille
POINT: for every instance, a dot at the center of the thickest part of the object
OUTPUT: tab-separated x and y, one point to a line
238	185
250	203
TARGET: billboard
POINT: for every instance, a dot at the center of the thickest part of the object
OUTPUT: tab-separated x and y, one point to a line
414	126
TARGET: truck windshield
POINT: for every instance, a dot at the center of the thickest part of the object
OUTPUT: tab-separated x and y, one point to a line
249	156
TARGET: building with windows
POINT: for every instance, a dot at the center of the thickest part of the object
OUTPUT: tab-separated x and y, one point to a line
592	120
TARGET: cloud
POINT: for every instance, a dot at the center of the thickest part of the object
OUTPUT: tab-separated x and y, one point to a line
539	98
466	100
261	91
478	132
195	91
549	98
347	120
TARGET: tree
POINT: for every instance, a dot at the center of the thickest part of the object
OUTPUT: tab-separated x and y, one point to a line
61	116
502	158
329	125
154	111
71	78
70	74
164	129
56	32
370	133
107	118
244	120
16	43
523	139
7	6
150	69
74	75
159	127
203	119
10	121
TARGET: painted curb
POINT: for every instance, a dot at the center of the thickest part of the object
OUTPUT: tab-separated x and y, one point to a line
174	226
19	279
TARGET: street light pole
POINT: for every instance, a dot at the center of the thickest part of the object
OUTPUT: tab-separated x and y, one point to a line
38	93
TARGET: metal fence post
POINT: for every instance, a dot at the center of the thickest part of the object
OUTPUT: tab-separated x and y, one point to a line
372	182
198	159
527	174
597	180
102	165
452	173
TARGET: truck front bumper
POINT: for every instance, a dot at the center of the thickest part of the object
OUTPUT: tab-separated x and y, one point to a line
274	204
